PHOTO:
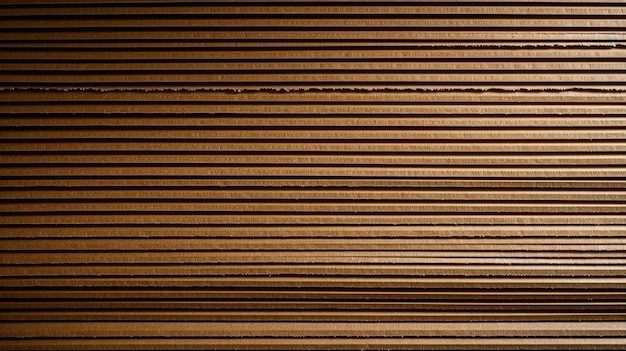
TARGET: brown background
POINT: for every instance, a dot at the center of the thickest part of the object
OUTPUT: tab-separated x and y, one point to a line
398	175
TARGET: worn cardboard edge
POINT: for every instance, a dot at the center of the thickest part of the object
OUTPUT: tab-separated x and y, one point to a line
296	89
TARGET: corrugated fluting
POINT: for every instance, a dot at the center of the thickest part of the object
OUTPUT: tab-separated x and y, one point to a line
312	175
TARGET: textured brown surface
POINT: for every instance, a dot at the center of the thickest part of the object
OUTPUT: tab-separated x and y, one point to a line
317	175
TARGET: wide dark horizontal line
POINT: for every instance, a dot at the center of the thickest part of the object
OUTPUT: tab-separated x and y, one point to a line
291	3
243	16
235	116
311	29
127	72
442	154
493	42
309	165
270	200
597	179
265	116
299	213
305	60
305	188
311	103
313	128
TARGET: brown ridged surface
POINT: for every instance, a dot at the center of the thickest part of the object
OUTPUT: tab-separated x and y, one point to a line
195	175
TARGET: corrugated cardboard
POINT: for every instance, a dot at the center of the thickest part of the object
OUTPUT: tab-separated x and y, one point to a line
193	175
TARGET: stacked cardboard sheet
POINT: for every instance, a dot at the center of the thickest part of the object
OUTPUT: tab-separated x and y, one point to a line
312	175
